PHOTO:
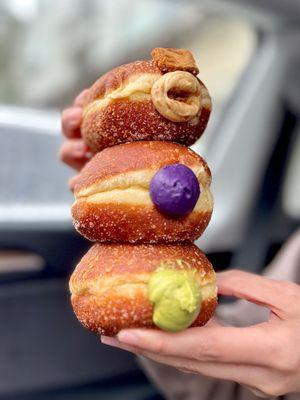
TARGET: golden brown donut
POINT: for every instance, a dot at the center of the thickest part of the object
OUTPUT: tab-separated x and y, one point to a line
159	99
109	286
113	202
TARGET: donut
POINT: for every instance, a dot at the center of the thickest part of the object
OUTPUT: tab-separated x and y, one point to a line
123	194
166	286
157	99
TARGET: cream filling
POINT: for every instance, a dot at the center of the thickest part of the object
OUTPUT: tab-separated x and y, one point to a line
140	178
133	189
138	87
138	195
146	86
171	108
127	285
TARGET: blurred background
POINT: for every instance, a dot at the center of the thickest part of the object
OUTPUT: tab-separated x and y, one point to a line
249	58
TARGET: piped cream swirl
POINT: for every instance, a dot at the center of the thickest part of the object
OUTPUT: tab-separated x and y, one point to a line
177	96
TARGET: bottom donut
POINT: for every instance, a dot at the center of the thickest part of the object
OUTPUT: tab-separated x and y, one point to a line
118	286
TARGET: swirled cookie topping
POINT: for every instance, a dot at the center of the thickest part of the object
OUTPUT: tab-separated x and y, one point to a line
177	96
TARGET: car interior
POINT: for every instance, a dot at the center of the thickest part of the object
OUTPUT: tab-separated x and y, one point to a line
248	54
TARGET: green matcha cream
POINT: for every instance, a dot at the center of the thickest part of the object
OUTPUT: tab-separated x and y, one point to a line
176	297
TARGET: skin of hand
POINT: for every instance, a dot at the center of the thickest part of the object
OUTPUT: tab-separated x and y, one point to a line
74	152
263	357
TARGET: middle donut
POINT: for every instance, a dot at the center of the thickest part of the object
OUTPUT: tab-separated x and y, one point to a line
146	192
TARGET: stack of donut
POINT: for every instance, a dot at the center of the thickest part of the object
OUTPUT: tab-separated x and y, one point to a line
144	198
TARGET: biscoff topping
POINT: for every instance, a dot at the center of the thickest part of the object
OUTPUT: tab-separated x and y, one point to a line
168	60
177	96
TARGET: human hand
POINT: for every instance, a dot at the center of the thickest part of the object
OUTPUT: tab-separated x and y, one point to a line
74	152
263	357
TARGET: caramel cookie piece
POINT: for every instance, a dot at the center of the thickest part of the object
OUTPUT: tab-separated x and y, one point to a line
168	60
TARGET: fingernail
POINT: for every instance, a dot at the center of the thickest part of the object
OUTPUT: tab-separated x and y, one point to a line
110	341
73	112
73	117
128	337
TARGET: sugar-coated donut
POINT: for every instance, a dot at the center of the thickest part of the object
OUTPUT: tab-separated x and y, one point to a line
110	286
113	202
159	99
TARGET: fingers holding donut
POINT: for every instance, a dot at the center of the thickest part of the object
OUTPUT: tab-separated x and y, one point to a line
74	152
70	122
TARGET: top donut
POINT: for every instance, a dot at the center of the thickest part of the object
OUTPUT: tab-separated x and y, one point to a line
158	99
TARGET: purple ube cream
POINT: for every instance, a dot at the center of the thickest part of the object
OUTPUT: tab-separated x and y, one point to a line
175	189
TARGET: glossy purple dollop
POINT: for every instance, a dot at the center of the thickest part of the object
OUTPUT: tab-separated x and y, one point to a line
175	189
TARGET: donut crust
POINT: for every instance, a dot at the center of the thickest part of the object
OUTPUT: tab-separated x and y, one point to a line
113	201
109	285
109	121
